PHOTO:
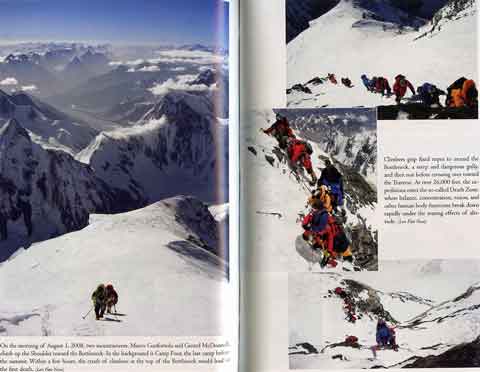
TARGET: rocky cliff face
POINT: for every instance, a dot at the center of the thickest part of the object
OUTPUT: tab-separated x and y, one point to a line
175	151
350	138
300	12
49	188
452	11
465	355
48	126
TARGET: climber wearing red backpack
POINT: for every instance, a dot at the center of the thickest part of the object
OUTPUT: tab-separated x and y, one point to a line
299	154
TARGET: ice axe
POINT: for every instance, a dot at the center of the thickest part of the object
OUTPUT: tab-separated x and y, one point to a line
89	311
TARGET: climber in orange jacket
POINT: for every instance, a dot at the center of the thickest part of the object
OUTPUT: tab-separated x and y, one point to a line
461	93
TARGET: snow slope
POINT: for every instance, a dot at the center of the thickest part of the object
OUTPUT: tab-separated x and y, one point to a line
344	43
448	318
159	258
274	201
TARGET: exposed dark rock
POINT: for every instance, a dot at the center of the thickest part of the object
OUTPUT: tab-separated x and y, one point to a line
370	304
270	160
301	12
466	355
299	88
316	81
419	111
303	348
58	191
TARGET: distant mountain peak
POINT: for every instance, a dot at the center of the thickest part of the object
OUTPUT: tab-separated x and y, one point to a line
207	77
17	58
75	61
176	102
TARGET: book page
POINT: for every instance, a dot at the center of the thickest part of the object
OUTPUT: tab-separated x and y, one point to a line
360	185
114	186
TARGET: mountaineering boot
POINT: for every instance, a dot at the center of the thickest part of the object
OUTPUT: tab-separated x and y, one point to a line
332	262
325	259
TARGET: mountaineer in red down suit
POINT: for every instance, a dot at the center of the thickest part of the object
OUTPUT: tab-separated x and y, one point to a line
280	130
400	87
299	154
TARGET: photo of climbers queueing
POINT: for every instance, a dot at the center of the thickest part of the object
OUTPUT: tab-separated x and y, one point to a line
413	59
321	165
411	313
458	101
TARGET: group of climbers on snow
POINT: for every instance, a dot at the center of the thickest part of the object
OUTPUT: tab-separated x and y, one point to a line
348	304
385	336
345	80
104	298
323	226
461	93
378	84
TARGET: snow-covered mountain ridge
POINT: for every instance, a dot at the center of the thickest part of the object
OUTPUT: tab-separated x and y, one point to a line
47	125
430	336
175	264
379	48
181	149
59	191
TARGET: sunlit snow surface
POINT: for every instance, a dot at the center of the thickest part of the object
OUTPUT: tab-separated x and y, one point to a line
339	42
159	257
426	302
150	257
274	200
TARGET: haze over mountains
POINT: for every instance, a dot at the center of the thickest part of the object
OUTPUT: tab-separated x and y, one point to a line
144	143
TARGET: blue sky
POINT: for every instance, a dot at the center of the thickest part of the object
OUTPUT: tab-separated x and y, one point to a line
127	21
